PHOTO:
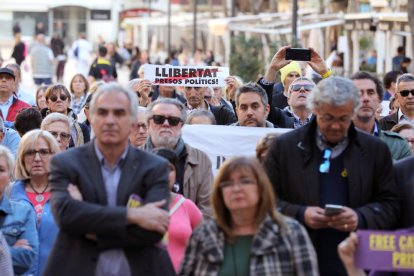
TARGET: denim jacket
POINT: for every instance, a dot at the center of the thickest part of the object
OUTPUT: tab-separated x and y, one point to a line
19	224
46	229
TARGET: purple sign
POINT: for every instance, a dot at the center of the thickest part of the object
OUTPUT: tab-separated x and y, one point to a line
385	250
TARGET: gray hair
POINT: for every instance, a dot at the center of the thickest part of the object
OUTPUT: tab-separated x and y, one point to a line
54	117
335	91
404	78
201	113
178	104
132	82
115	87
9	157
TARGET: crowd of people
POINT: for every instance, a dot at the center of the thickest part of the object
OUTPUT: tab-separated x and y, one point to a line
97	179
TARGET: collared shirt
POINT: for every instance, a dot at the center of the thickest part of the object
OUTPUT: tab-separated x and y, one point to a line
402	119
4	107
112	262
297	123
336	150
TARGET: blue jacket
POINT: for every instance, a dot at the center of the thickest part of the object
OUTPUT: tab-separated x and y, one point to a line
19	224
46	230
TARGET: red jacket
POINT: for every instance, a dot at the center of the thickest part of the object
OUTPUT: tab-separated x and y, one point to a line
16	106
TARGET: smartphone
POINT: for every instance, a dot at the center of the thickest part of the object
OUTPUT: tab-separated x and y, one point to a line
331	209
298	54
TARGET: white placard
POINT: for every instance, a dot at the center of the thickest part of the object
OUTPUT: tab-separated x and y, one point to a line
222	142
207	76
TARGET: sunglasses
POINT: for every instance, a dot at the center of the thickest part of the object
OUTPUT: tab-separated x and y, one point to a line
54	98
190	88
404	93
324	167
306	87
63	135
160	119
42	152
207	98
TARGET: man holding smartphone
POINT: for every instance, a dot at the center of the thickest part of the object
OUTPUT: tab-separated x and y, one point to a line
329	162
290	71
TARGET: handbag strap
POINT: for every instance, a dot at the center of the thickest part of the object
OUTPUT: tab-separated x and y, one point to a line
176	206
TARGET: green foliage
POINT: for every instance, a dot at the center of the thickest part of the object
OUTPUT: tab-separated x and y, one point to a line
246	58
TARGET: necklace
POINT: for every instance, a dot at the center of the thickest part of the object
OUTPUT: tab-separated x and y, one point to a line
39	196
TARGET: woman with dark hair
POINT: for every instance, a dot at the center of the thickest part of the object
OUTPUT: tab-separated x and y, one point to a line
79	87
247	236
58	99
184	214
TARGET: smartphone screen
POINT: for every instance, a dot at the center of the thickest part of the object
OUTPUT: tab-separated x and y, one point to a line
298	54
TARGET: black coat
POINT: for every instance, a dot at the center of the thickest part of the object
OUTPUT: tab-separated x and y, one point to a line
292	164
292	168
404	176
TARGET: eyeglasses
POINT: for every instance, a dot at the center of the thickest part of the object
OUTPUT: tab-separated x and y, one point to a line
298	87
207	98
404	93
42	152
242	182
143	126
410	140
63	135
190	88
160	119
54	98
324	167
330	120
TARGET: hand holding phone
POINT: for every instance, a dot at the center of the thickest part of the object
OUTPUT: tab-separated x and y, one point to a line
299	54
332	209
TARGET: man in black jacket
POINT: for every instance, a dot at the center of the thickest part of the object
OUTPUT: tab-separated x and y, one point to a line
195	100
405	97
329	162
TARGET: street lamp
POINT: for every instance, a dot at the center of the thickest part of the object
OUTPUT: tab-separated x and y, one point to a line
294	22
194	25
169	28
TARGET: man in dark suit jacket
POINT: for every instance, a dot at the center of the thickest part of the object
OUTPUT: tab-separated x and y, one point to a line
98	196
329	162
404	176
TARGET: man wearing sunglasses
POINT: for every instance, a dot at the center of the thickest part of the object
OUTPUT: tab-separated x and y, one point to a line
371	93
405	97
196	100
296	114
329	162
165	119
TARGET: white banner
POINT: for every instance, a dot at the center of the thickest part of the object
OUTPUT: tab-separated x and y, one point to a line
207	76
222	142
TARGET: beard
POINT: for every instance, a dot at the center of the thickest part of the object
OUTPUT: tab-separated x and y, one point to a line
168	142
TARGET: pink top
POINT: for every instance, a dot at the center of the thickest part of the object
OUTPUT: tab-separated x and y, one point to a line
182	223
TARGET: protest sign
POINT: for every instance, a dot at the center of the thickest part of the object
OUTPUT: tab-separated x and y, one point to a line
206	76
222	142
385	250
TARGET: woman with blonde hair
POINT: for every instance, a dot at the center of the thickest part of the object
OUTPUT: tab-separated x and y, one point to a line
248	236
32	188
